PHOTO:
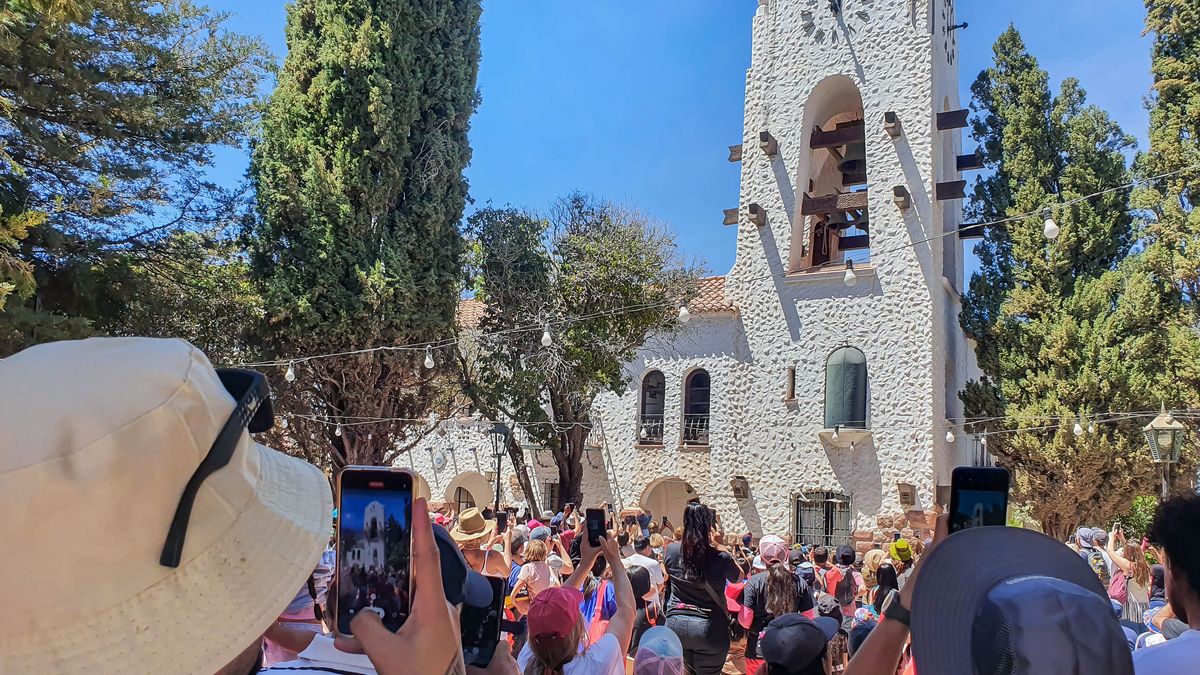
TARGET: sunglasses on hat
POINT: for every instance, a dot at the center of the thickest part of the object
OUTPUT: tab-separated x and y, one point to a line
253	411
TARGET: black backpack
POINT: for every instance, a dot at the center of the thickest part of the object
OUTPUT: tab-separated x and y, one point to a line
845	589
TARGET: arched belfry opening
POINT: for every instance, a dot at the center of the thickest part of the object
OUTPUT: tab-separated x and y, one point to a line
833	225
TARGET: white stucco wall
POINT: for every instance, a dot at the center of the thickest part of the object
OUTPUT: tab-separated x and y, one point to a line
902	313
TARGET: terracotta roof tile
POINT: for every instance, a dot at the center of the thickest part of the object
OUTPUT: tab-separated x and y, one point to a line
469	314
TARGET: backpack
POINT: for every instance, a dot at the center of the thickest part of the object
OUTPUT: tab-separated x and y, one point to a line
1119	588
1099	566
845	589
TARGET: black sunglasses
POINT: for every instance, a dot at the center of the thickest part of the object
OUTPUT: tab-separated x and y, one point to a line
253	412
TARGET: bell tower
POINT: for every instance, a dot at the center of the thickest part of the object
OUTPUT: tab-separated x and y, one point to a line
850	204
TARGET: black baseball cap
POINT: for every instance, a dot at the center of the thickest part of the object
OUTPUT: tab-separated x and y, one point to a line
845	555
793	641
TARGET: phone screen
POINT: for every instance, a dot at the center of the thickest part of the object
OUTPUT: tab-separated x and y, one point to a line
501	521
595	526
373	545
978	497
481	627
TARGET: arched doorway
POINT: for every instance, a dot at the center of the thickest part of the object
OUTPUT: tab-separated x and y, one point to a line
667	497
468	489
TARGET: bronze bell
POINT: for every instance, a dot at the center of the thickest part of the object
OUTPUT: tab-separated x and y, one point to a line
854	163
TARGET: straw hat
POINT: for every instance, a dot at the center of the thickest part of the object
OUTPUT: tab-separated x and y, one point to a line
100	438
472	526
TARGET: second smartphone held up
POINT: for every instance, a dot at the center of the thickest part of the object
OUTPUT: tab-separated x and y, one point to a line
978	497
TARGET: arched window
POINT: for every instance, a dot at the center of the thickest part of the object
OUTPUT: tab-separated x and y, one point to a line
650	424
463	499
695	408
846	389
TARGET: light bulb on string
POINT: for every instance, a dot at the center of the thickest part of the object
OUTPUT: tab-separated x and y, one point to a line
950	436
849	279
1050	229
1078	430
546	339
836	435
283	423
684	314
643	434
429	358
1091	428
338	430
290	375
983	440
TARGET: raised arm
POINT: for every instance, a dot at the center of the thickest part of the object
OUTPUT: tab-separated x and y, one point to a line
567	567
1121	561
587	559
621	623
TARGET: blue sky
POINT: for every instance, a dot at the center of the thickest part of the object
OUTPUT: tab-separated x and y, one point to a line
637	100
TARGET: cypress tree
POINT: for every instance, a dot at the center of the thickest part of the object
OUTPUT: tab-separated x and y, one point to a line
1071	328
359	175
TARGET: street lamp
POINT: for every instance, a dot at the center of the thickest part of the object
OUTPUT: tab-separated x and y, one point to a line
499	434
1164	435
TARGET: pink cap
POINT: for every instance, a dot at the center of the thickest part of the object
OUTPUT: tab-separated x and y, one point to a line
553	613
567	537
533	524
441	519
773	550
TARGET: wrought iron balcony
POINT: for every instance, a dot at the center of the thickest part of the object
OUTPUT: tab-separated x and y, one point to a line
695	429
650	431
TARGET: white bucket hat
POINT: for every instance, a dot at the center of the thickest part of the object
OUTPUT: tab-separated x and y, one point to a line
98	439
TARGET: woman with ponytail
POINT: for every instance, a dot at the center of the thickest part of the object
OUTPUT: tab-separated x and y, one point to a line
769	595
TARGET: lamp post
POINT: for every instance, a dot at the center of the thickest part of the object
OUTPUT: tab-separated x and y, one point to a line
1164	435
499	434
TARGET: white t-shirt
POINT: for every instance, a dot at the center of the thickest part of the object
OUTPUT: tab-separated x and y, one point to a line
655	570
602	658
1170	657
322	657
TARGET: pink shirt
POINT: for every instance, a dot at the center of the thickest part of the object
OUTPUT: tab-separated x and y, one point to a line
537	576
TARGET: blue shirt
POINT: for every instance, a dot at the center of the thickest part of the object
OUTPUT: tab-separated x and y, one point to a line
588	607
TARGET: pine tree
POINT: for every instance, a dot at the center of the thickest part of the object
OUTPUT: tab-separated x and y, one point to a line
1070	328
359	175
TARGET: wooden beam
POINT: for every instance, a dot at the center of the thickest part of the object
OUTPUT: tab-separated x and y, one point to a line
952	119
768	143
735	153
901	197
970	231
952	189
758	215
854	243
849	179
852	132
970	162
891	124
834	203
731	217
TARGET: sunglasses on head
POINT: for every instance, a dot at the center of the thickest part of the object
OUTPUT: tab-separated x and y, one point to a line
253	412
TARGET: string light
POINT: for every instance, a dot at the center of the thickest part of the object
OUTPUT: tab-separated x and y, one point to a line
836	435
290	375
684	314
283	423
950	436
849	279
647	306
1078	429
338	430
429	358
1091	428
1051	228
546	339
643	434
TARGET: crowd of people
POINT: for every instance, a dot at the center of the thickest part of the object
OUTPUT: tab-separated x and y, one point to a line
91	477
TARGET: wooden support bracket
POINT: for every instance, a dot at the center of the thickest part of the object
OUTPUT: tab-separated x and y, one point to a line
768	143
970	231
901	197
758	215
735	153
951	189
970	162
834	203
731	217
844	134
952	119
891	124
855	242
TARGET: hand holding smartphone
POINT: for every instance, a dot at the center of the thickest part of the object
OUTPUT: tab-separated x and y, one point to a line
595	526
374	543
978	497
501	521
481	627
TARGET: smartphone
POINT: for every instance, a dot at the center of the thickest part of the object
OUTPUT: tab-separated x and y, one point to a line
895	536
374	540
978	497
595	526
501	521
481	627
664	521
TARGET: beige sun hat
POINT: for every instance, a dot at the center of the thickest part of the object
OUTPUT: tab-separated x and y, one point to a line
472	526
98	438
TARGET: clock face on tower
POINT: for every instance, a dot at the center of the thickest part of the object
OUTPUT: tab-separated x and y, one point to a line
831	21
949	43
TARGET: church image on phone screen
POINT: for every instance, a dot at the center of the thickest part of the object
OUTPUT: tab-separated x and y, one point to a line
374	552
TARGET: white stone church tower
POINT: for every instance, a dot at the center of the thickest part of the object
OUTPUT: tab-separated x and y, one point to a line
804	400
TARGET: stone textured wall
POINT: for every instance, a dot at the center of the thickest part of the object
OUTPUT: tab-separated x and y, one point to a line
901	313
